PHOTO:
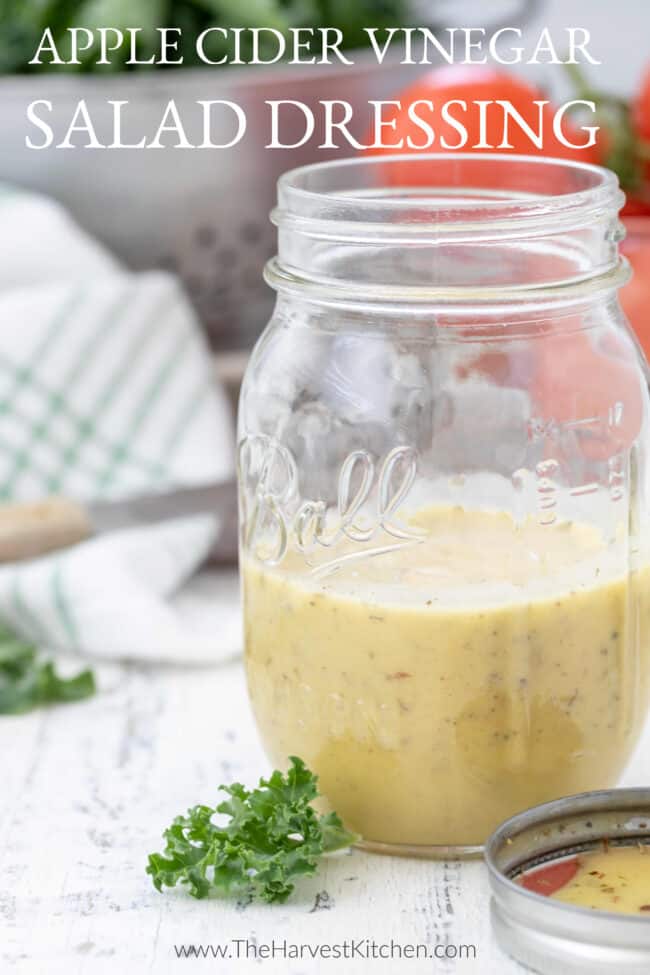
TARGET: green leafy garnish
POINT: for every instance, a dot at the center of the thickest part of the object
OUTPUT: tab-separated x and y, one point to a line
624	151
272	836
27	681
23	23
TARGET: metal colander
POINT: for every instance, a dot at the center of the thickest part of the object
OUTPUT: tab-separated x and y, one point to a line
200	213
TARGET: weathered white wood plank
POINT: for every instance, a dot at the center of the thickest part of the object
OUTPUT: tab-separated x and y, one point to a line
86	790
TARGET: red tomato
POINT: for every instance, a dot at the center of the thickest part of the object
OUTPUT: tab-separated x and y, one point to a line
578	377
490	365
572	379
634	207
471	84
546	880
575	381
635	296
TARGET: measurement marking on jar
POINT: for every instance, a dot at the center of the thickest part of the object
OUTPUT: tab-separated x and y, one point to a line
552	429
547	489
617	477
615	415
593	428
582	489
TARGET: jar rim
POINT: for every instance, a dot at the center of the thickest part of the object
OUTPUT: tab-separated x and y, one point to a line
446	224
317	191
530	303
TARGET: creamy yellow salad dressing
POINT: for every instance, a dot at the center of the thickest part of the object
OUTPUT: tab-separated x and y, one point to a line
439	687
614	880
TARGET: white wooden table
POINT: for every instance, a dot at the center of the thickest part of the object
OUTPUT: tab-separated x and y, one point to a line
86	790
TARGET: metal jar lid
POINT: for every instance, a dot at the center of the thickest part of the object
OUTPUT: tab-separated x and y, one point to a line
550	936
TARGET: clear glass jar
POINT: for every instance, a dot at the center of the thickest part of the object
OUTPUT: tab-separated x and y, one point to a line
444	493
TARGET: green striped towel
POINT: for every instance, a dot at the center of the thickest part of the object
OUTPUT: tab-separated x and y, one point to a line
106	390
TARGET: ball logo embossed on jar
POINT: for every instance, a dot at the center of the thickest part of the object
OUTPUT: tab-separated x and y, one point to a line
369	495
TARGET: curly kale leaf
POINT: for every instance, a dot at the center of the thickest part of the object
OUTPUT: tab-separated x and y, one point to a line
271	836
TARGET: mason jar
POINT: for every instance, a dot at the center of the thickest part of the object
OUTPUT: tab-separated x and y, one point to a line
443	472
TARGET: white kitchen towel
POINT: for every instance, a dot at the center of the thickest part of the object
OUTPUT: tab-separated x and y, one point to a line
106	390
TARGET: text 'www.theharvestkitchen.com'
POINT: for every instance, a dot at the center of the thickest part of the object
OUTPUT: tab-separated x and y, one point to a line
362	949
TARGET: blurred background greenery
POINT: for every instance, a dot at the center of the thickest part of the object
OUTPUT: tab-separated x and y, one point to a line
25	20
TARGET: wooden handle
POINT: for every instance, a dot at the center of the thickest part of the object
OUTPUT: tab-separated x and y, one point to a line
29	530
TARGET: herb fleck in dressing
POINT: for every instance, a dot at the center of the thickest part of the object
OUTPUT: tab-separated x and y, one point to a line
440	687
